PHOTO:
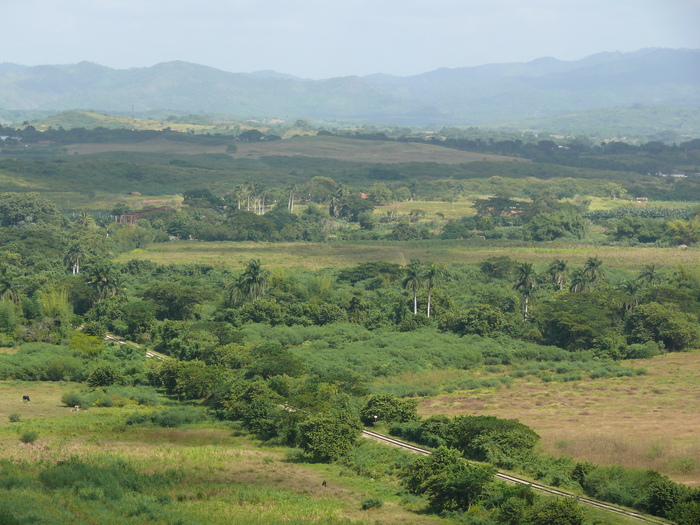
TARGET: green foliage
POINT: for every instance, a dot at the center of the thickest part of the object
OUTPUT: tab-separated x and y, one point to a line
665	324
169	417
329	436
482	319
26	208
105	375
447	480
76	399
388	408
556	511
29	437
14	417
371	503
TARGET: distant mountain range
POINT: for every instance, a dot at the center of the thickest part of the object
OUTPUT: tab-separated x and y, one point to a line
484	95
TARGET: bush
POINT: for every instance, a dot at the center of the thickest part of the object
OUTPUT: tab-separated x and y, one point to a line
14	417
371	503
105	375
29	436
169	418
73	399
388	408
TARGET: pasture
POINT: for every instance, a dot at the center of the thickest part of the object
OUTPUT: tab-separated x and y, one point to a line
219	474
316	256
648	421
333	148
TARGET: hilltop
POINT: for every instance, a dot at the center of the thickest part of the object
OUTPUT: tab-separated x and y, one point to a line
486	95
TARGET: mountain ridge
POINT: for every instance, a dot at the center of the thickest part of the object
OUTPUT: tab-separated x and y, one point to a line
486	94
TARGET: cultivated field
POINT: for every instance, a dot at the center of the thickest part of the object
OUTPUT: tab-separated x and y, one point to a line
648	421
343	254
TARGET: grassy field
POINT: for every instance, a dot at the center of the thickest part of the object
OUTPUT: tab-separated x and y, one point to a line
339	255
224	476
335	148
379	152
647	421
217	474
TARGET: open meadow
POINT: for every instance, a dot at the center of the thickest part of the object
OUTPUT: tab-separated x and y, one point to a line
204	473
647	421
213	472
335	148
343	254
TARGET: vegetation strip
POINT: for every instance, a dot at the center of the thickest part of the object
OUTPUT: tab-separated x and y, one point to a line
513	479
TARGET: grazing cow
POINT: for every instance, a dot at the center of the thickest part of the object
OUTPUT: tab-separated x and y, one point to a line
25	398
324	483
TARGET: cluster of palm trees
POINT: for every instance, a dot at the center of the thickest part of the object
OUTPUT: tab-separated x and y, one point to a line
250	195
417	276
251	285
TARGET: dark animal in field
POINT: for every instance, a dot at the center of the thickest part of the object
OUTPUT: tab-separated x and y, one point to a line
25	398
324	483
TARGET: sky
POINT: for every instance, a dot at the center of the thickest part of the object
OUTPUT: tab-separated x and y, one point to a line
320	39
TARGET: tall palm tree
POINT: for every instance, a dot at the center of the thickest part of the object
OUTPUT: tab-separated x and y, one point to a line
104	278
593	269
433	277
580	282
650	275
413	280
252	282
525	283
291	191
74	256
557	271
632	288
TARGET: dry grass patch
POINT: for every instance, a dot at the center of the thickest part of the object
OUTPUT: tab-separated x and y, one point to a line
644	421
45	400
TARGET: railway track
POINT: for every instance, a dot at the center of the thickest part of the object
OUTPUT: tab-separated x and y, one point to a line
110	337
536	486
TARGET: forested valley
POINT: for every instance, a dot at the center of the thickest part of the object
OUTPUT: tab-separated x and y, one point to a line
251	313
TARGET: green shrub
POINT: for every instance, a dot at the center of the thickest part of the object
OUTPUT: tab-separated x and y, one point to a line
30	436
169	418
15	417
371	503
73	399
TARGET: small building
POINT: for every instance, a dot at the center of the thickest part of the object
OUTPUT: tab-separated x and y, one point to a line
641	200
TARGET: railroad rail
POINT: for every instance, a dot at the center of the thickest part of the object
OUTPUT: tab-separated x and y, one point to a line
535	486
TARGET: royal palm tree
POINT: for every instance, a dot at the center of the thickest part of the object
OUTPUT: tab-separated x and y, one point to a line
525	283
104	279
74	257
593	269
650	275
580	282
251	284
413	281
632	288
433	277
557	271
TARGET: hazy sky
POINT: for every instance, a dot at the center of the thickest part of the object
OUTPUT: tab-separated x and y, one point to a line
330	38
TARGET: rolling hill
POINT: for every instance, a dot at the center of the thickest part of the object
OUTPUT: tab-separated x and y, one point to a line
484	95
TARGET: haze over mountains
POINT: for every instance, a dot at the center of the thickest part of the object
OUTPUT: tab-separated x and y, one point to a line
483	95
